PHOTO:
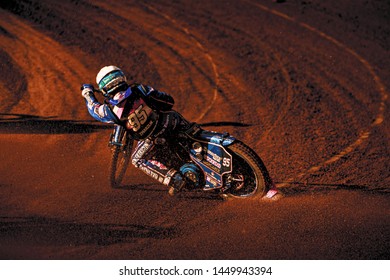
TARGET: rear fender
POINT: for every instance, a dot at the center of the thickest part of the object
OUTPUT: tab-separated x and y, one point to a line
223	139
195	132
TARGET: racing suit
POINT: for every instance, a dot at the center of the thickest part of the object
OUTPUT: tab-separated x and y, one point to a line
146	113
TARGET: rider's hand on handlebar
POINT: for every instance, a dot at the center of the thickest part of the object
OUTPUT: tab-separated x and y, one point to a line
86	90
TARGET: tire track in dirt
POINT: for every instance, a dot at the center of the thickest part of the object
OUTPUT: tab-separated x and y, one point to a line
217	75
207	56
237	95
42	60
379	117
52	75
171	47
13	84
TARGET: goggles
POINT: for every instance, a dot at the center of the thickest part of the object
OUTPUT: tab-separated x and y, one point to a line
111	80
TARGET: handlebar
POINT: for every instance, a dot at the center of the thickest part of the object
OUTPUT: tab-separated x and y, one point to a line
94	89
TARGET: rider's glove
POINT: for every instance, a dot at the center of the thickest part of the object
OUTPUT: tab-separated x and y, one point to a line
87	90
87	93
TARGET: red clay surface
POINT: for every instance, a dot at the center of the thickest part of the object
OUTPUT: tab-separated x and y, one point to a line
305	83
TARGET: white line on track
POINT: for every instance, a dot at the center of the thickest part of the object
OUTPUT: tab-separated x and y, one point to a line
206	54
379	118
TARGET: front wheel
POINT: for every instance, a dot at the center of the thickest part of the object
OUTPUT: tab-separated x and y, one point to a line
249	177
120	158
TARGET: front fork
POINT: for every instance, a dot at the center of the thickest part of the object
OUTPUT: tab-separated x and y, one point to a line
116	136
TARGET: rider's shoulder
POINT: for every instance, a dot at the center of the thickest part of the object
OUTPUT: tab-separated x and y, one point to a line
141	88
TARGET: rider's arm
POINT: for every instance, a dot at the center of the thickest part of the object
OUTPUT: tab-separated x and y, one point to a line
98	111
157	99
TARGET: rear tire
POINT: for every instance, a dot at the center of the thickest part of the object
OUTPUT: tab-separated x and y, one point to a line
250	177
120	158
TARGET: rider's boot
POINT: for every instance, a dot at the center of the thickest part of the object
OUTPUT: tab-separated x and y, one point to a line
176	185
187	177
191	174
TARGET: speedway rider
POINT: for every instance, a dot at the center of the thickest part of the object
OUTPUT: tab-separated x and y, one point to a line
144	111
147	114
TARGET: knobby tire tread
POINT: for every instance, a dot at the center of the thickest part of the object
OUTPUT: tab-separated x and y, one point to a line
251	157
118	170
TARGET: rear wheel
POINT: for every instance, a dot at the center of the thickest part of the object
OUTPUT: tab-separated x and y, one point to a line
249	177
120	158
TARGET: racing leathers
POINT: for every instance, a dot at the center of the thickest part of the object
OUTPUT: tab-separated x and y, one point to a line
147	114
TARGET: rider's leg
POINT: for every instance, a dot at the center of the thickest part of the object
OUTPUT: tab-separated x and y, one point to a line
142	159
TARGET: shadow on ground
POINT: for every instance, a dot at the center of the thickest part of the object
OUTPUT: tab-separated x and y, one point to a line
41	230
31	124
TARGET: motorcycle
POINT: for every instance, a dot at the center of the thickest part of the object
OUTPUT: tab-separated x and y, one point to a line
210	161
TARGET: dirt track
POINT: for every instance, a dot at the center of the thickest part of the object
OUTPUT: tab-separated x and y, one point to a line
305	83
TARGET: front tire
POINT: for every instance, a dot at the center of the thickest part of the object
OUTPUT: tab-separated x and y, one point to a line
250	177
120	158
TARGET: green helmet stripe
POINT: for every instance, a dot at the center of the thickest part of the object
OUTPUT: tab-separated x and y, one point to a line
110	77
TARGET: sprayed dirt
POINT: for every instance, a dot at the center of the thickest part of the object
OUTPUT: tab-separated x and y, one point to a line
305	83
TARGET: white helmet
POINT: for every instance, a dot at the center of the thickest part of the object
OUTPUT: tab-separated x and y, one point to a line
110	79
